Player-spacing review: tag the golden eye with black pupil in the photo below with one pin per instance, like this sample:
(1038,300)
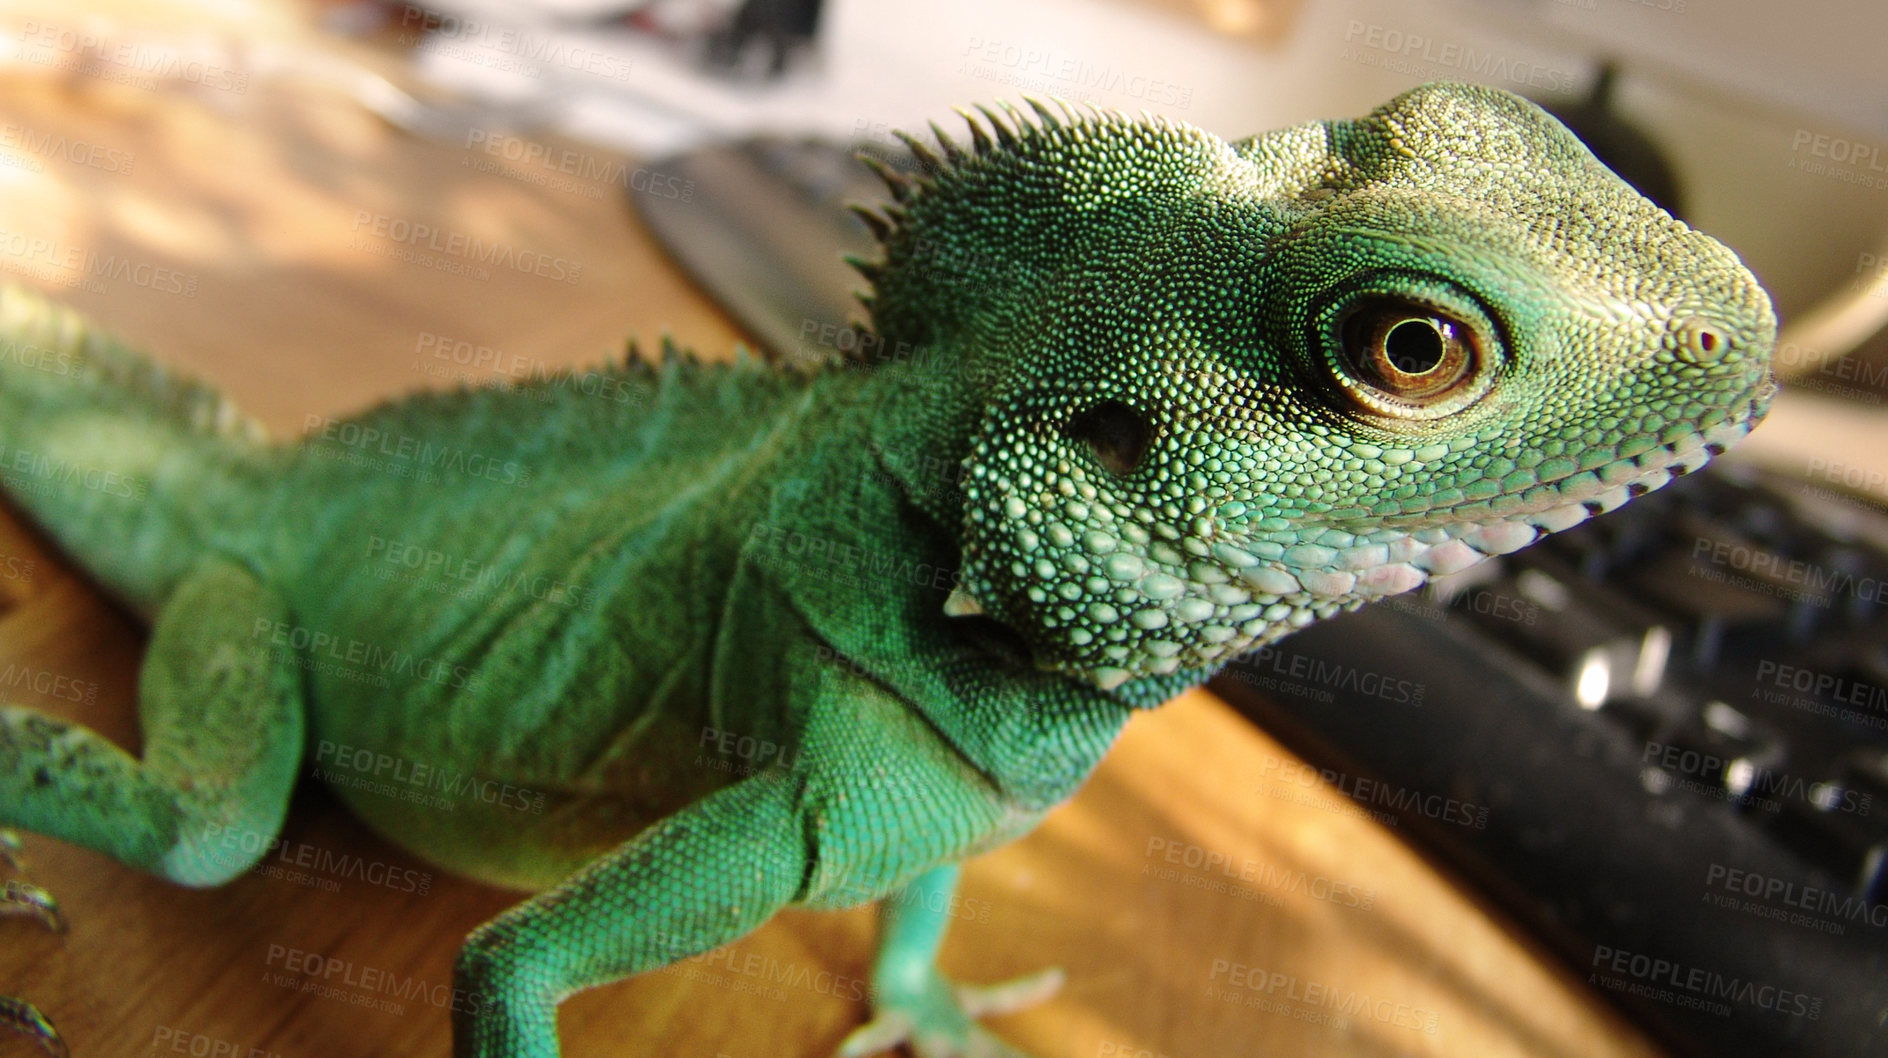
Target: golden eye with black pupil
(1410,352)
(1414,357)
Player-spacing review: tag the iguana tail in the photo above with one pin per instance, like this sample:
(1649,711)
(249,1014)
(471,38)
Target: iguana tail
(132,470)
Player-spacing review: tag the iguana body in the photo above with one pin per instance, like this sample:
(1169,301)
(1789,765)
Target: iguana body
(1175,398)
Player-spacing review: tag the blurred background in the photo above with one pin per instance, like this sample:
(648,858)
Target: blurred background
(1621,797)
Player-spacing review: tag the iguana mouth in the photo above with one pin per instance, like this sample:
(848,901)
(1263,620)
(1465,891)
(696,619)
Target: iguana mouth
(1445,546)
(1451,548)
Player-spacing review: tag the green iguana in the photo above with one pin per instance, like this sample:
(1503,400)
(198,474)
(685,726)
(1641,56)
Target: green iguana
(1186,396)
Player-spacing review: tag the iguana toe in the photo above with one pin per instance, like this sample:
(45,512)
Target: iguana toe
(882,1033)
(938,1019)
(1017,993)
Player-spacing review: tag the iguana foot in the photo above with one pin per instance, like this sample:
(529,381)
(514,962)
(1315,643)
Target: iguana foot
(935,1018)
(20,1016)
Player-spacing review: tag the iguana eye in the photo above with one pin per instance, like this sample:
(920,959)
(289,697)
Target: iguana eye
(1404,358)
(1408,351)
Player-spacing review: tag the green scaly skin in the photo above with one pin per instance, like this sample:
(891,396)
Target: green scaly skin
(688,643)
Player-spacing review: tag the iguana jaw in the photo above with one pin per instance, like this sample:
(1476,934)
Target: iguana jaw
(1583,496)
(1390,562)
(1252,589)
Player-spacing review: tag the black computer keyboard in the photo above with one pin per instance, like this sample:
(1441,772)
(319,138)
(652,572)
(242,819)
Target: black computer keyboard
(1659,740)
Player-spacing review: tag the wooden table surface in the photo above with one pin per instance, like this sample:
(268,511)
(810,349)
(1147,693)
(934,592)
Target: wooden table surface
(254,201)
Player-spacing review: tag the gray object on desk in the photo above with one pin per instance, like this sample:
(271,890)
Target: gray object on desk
(762,226)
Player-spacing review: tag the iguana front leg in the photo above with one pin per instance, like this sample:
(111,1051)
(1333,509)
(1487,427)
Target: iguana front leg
(691,882)
(915,1004)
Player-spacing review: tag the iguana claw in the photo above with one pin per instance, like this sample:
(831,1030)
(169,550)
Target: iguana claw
(937,1019)
(21,1017)
(22,898)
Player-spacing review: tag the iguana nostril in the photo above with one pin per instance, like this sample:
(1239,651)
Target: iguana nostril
(1701,341)
(1117,433)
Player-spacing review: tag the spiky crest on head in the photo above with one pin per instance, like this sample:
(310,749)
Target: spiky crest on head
(980,220)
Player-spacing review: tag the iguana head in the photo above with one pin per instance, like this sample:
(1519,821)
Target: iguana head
(1223,390)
